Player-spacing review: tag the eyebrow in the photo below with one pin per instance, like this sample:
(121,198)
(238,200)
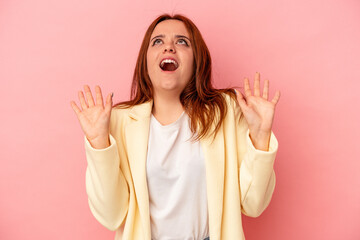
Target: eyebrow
(176,36)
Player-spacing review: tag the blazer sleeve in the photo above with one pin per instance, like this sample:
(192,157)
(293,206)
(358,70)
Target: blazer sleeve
(106,186)
(256,172)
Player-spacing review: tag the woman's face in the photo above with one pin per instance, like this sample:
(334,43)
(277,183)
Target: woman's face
(170,40)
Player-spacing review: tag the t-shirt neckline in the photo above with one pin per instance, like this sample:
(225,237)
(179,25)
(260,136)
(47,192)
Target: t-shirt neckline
(170,125)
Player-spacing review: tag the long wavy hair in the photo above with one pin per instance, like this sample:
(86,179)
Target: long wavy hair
(199,98)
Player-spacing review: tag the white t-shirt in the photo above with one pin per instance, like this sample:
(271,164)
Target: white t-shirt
(176,178)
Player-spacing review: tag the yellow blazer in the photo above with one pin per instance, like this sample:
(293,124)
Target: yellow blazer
(240,179)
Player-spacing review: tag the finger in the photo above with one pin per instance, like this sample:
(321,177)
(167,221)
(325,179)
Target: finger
(276,97)
(247,87)
(266,90)
(89,97)
(75,107)
(241,100)
(99,98)
(109,103)
(257,85)
(82,100)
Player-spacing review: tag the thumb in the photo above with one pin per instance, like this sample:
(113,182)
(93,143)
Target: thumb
(241,100)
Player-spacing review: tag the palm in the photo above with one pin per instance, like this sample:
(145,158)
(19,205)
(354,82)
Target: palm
(257,110)
(94,118)
(94,122)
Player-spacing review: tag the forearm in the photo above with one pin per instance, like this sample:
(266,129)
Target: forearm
(106,186)
(257,177)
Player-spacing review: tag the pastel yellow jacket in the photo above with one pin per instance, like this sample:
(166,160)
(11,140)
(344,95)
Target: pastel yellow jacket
(240,179)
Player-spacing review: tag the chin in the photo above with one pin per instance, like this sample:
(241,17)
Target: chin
(170,88)
(169,83)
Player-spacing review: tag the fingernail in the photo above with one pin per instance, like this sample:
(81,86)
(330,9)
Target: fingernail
(112,94)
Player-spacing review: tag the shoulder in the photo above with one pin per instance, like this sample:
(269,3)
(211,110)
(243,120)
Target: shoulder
(230,101)
(136,112)
(232,105)
(119,116)
(119,112)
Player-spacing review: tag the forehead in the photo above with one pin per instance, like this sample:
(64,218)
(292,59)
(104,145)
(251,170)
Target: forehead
(170,27)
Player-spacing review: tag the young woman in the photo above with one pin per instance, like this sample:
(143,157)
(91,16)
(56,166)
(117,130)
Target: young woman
(180,160)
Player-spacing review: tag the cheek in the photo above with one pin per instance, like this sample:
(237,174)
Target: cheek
(150,62)
(150,56)
(190,64)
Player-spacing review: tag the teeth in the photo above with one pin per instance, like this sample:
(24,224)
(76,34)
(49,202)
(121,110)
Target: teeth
(168,61)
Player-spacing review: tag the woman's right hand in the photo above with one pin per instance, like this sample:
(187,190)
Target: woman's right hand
(94,118)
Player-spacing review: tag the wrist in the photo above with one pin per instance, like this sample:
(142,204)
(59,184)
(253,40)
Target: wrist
(261,140)
(100,143)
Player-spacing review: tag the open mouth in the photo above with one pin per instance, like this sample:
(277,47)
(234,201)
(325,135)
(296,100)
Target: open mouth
(168,65)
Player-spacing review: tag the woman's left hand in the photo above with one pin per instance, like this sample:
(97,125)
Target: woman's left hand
(258,112)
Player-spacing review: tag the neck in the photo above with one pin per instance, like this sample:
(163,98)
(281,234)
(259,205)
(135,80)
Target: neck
(167,108)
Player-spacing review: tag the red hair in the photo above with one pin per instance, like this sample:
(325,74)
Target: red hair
(199,98)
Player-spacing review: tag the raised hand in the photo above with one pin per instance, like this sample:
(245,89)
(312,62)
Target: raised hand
(258,112)
(94,118)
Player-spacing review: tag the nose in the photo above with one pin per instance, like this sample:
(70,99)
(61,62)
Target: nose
(169,48)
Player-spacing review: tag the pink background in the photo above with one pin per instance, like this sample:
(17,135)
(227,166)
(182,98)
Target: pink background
(309,50)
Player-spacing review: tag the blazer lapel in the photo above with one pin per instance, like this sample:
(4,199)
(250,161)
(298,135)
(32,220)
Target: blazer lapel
(137,135)
(214,161)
